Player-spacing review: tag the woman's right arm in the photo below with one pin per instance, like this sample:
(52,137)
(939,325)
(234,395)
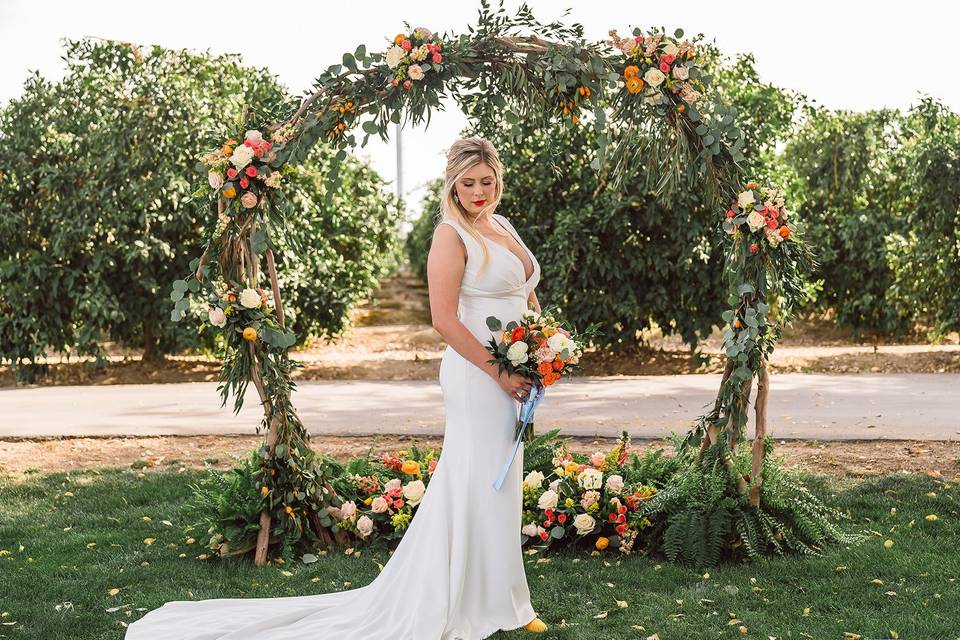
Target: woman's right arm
(445,267)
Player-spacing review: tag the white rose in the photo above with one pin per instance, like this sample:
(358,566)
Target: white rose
(394,55)
(590,479)
(772,236)
(413,491)
(533,479)
(517,353)
(654,77)
(217,317)
(681,72)
(250,298)
(615,484)
(242,156)
(558,342)
(379,504)
(348,510)
(670,49)
(745,198)
(755,220)
(365,526)
(253,136)
(531,315)
(529,530)
(584,523)
(215,179)
(415,72)
(548,500)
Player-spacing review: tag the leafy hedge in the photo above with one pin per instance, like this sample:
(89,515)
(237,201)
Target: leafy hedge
(95,212)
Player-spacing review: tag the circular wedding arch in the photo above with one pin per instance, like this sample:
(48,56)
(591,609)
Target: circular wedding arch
(647,97)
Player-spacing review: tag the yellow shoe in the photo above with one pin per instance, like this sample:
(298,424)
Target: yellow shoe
(536,626)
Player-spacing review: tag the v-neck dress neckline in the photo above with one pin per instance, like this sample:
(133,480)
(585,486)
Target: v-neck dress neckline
(523,267)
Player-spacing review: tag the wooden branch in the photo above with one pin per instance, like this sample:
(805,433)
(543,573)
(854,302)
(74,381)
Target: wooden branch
(763,388)
(275,287)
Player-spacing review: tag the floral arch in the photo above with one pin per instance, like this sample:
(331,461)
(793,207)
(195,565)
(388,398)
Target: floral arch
(650,82)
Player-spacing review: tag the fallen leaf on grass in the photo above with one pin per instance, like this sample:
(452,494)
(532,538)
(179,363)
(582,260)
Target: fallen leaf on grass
(149,541)
(114,591)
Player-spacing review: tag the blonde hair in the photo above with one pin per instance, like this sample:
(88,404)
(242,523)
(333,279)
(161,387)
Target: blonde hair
(464,154)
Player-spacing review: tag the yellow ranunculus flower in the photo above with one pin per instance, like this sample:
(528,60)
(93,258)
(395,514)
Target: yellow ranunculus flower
(602,543)
(410,467)
(571,467)
(399,38)
(368,501)
(230,193)
(249,334)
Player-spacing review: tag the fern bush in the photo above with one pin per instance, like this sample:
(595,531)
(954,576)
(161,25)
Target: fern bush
(701,520)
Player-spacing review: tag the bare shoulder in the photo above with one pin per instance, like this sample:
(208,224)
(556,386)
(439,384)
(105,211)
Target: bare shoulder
(447,242)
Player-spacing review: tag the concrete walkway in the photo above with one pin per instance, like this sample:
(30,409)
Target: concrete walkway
(807,406)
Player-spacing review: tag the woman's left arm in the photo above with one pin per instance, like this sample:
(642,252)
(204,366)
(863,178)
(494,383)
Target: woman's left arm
(533,303)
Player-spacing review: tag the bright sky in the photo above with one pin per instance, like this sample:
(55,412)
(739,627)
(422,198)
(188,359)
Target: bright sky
(851,55)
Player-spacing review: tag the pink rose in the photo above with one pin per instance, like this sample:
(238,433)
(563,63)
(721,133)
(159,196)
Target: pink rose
(589,498)
(365,526)
(405,45)
(407,84)
(251,171)
(379,504)
(615,484)
(437,58)
(244,183)
(249,200)
(217,317)
(597,459)
(664,66)
(772,223)
(394,82)
(231,173)
(348,510)
(393,485)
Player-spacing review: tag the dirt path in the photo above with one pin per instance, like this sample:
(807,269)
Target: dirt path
(854,459)
(390,338)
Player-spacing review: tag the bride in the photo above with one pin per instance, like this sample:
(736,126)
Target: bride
(457,573)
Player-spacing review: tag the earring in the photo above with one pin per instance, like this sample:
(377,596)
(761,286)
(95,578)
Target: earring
(456,198)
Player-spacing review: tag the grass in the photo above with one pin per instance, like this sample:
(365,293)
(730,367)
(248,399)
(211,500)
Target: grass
(54,584)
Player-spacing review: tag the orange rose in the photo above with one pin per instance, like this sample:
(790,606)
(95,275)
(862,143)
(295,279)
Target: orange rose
(518,334)
(784,232)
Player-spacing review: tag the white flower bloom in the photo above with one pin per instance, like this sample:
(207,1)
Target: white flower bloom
(413,491)
(253,136)
(670,49)
(584,523)
(415,72)
(615,484)
(654,77)
(393,485)
(590,479)
(242,156)
(773,237)
(589,498)
(250,298)
(548,500)
(531,315)
(394,55)
(746,198)
(529,530)
(681,72)
(517,353)
(533,479)
(217,317)
(558,342)
(379,504)
(215,179)
(755,220)
(365,526)
(554,485)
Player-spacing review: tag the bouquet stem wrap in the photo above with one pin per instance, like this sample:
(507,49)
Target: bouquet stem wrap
(524,429)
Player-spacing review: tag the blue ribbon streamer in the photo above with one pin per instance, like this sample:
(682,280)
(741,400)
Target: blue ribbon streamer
(526,417)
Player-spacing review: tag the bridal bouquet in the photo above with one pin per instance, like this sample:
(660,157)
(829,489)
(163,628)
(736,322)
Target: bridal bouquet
(760,215)
(659,67)
(538,347)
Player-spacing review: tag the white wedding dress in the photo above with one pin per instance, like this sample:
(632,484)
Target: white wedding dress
(457,573)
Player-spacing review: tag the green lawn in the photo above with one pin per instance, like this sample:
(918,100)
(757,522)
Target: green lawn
(54,584)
